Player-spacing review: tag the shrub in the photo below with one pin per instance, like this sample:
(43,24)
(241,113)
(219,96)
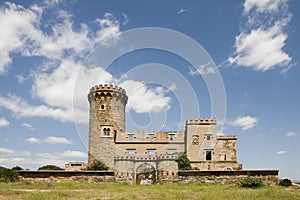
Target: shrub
(8,175)
(50,167)
(251,182)
(285,182)
(183,162)
(97,165)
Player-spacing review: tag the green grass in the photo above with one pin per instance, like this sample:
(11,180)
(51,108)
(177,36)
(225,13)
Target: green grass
(72,190)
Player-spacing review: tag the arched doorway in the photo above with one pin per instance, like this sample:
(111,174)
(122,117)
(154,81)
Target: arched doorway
(145,174)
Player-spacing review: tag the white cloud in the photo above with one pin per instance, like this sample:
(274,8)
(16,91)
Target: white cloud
(281,152)
(57,140)
(290,134)
(245,123)
(262,5)
(12,152)
(260,44)
(63,49)
(29,126)
(3,122)
(49,140)
(182,10)
(143,99)
(261,49)
(22,109)
(203,69)
(15,21)
(172,86)
(65,154)
(33,140)
(21,32)
(110,29)
(126,19)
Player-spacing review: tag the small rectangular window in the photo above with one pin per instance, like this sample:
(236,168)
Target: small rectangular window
(151,152)
(171,137)
(171,151)
(131,137)
(208,136)
(151,137)
(130,151)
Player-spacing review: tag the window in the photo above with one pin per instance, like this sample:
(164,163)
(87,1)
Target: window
(131,137)
(106,131)
(209,136)
(130,151)
(102,107)
(171,137)
(208,155)
(151,137)
(151,152)
(171,151)
(223,157)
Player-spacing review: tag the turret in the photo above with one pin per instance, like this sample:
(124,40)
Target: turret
(107,119)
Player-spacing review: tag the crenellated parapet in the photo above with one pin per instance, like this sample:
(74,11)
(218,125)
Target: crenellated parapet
(202,121)
(110,91)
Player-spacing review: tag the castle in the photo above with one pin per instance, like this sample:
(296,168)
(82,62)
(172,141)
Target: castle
(132,153)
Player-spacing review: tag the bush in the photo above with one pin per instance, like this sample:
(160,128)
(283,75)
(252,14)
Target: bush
(50,167)
(8,175)
(285,182)
(97,165)
(183,162)
(251,182)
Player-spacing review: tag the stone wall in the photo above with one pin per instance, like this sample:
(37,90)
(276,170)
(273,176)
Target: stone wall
(61,175)
(269,177)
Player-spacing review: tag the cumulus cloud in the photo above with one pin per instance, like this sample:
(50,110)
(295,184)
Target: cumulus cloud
(262,5)
(290,134)
(62,50)
(143,99)
(49,140)
(246,122)
(20,108)
(3,122)
(260,44)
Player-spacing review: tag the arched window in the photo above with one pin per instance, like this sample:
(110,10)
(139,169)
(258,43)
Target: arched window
(106,131)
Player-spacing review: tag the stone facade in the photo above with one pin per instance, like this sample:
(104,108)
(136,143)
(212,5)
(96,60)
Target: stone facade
(133,153)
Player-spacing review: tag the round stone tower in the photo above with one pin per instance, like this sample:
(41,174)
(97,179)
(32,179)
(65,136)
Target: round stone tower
(107,120)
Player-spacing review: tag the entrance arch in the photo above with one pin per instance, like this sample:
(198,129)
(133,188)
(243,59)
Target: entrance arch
(145,173)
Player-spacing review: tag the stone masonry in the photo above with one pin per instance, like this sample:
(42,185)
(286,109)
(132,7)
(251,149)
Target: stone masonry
(133,153)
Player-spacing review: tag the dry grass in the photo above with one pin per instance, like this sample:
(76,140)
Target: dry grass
(71,190)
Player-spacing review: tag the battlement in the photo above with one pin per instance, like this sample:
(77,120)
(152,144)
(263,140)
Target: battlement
(201,121)
(146,157)
(107,90)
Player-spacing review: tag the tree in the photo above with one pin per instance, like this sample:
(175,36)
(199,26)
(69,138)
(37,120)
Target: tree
(16,168)
(183,162)
(97,165)
(50,167)
(8,175)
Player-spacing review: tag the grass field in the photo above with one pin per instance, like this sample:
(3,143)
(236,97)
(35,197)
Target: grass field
(71,190)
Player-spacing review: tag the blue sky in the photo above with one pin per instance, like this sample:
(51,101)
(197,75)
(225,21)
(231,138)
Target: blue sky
(246,74)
